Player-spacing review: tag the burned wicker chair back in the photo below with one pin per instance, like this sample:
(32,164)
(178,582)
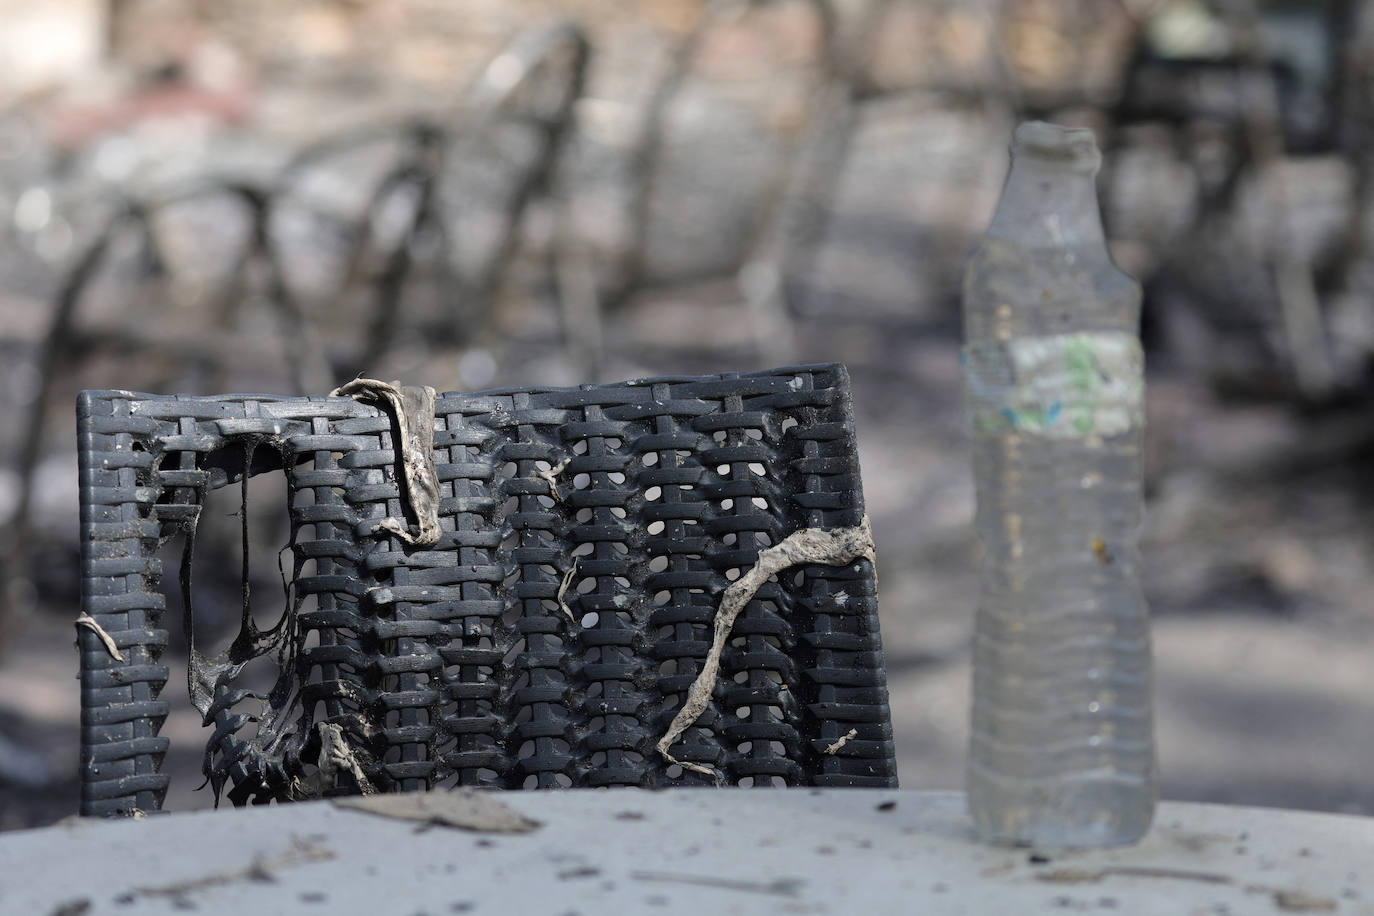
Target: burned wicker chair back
(585,540)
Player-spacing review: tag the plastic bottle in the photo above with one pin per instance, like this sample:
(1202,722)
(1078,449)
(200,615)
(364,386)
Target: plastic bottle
(1062,751)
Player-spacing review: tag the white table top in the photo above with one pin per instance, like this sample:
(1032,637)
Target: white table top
(697,851)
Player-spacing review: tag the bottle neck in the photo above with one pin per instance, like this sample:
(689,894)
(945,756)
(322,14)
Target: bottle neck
(1049,204)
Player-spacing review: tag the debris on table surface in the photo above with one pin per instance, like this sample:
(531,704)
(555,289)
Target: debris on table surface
(465,809)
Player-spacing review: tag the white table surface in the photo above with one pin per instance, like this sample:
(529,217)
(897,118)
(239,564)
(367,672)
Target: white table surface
(697,851)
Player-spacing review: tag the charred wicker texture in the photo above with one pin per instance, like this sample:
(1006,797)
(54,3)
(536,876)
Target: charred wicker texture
(404,668)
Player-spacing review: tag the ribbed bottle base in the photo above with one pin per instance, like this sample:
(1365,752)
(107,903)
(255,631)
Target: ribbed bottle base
(1083,811)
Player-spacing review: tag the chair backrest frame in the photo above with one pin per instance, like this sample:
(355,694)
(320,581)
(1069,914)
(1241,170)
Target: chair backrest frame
(550,636)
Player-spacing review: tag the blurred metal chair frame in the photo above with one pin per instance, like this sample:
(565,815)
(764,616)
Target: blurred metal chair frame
(551,634)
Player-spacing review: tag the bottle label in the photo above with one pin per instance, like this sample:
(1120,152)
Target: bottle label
(1061,386)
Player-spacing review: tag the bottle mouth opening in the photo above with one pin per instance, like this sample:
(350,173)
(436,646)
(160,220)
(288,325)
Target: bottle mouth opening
(1074,146)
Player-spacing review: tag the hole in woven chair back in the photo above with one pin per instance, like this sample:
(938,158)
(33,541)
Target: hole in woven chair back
(233,496)
(225,582)
(233,596)
(218,583)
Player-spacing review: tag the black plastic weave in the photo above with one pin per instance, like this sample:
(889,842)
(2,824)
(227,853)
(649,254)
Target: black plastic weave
(457,664)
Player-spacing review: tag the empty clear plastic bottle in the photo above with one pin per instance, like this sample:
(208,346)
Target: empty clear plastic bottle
(1062,751)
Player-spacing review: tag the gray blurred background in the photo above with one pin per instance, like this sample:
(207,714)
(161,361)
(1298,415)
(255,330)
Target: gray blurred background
(271,195)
